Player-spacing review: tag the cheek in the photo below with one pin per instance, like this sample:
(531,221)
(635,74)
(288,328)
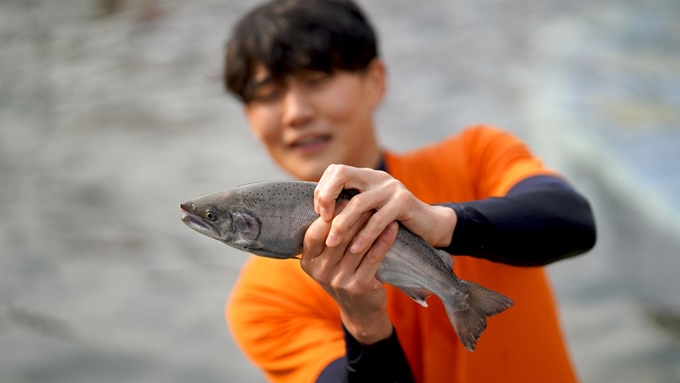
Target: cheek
(264,124)
(347,107)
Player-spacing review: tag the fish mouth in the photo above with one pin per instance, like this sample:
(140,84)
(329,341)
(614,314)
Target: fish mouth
(198,225)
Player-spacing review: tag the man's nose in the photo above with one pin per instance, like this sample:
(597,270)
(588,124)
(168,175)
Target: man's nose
(297,108)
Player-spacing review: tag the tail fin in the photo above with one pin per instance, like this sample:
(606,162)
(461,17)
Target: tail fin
(471,322)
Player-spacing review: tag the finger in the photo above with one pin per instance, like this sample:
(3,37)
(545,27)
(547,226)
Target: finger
(314,242)
(351,261)
(375,255)
(332,182)
(376,225)
(367,201)
(326,193)
(326,258)
(316,235)
(349,236)
(354,229)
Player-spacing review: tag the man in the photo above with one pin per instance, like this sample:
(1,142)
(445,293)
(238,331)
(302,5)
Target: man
(310,77)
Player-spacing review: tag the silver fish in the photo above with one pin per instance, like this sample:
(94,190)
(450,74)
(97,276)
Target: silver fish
(270,219)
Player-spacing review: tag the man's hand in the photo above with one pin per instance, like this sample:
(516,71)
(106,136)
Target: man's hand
(391,201)
(349,278)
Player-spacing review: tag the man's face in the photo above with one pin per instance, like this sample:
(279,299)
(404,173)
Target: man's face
(314,119)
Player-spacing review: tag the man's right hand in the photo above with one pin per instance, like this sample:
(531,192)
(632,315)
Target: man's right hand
(350,278)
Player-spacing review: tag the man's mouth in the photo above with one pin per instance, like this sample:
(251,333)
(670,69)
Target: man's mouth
(311,144)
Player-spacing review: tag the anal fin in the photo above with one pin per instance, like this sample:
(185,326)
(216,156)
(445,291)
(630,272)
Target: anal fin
(417,294)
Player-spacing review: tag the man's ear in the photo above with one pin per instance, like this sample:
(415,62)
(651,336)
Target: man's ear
(377,77)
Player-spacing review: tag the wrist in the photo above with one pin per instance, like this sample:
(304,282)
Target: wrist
(368,330)
(446,220)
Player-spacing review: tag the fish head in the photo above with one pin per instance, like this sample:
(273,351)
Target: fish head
(224,216)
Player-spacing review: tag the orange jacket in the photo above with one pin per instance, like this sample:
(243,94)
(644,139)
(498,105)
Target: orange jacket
(291,328)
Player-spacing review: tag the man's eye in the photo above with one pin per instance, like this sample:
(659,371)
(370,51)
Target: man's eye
(266,94)
(318,78)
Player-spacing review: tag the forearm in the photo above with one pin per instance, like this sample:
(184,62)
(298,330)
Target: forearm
(541,220)
(383,361)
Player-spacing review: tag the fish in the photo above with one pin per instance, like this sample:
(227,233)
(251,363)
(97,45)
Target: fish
(270,219)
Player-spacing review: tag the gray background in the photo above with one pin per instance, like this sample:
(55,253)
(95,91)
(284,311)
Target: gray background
(109,119)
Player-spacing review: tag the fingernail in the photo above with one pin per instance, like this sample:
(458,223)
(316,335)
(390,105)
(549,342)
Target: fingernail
(323,213)
(332,240)
(356,247)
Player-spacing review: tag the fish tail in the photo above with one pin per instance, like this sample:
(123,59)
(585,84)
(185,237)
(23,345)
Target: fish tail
(471,322)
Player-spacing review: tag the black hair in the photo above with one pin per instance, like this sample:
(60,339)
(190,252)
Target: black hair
(290,36)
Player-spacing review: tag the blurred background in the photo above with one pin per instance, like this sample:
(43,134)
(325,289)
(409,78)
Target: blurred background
(112,112)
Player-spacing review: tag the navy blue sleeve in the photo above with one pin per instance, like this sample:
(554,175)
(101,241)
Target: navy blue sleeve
(381,362)
(541,220)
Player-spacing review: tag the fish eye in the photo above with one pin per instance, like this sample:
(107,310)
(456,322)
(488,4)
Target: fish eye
(210,215)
